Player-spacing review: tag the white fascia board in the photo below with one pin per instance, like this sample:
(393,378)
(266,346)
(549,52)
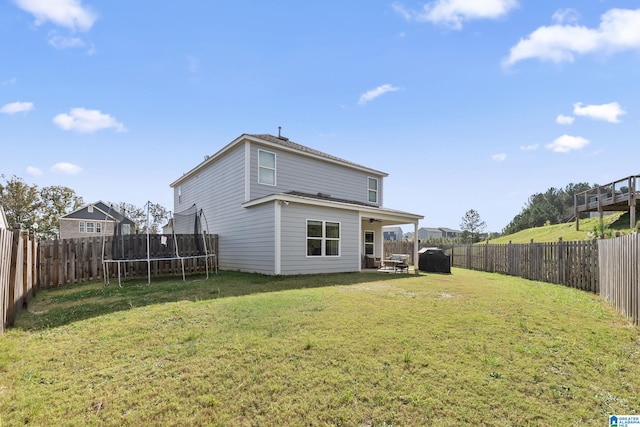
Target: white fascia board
(365,211)
(86,207)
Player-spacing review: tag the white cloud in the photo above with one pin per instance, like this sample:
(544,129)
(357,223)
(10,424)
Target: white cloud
(564,120)
(619,30)
(34,171)
(562,16)
(62,42)
(17,107)
(70,14)
(66,169)
(374,93)
(531,147)
(608,112)
(10,81)
(566,143)
(452,13)
(87,121)
(501,157)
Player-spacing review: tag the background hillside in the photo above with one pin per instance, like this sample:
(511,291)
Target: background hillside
(589,228)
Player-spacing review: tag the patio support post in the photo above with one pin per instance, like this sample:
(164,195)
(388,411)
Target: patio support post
(415,247)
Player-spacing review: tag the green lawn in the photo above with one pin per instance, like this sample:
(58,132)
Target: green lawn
(469,348)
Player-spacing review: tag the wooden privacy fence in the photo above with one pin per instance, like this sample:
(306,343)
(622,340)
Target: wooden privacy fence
(18,253)
(80,260)
(620,273)
(573,264)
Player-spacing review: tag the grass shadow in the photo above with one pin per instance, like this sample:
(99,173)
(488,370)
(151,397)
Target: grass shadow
(60,306)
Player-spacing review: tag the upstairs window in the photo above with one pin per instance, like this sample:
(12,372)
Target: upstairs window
(98,227)
(90,227)
(81,227)
(266,167)
(323,238)
(373,190)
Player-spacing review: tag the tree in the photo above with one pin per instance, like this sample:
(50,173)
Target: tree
(472,225)
(55,201)
(20,201)
(36,209)
(555,206)
(157,216)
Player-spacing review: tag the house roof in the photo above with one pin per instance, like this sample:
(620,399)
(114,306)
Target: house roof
(450,230)
(101,211)
(277,142)
(375,213)
(431,229)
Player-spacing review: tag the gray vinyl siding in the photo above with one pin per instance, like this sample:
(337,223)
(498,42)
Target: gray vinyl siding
(300,173)
(294,259)
(245,235)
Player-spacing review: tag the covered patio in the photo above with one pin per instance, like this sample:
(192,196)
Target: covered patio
(372,221)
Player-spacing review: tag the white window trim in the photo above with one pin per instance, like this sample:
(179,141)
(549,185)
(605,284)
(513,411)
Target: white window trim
(324,239)
(93,227)
(274,169)
(376,191)
(81,227)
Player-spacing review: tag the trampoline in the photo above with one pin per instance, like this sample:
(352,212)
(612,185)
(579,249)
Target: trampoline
(188,239)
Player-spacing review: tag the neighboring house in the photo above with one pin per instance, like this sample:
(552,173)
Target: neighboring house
(429,233)
(94,219)
(4,225)
(450,233)
(282,208)
(438,233)
(392,233)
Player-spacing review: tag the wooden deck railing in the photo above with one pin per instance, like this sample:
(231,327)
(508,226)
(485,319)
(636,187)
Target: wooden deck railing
(620,195)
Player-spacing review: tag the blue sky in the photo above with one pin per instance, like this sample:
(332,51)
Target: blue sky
(466,104)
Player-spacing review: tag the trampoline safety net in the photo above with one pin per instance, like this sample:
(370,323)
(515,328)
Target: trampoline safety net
(187,240)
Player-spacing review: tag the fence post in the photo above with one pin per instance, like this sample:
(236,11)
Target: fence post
(13,274)
(485,267)
(561,269)
(26,266)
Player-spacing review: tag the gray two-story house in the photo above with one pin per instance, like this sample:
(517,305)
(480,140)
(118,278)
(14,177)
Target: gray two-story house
(94,219)
(279,207)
